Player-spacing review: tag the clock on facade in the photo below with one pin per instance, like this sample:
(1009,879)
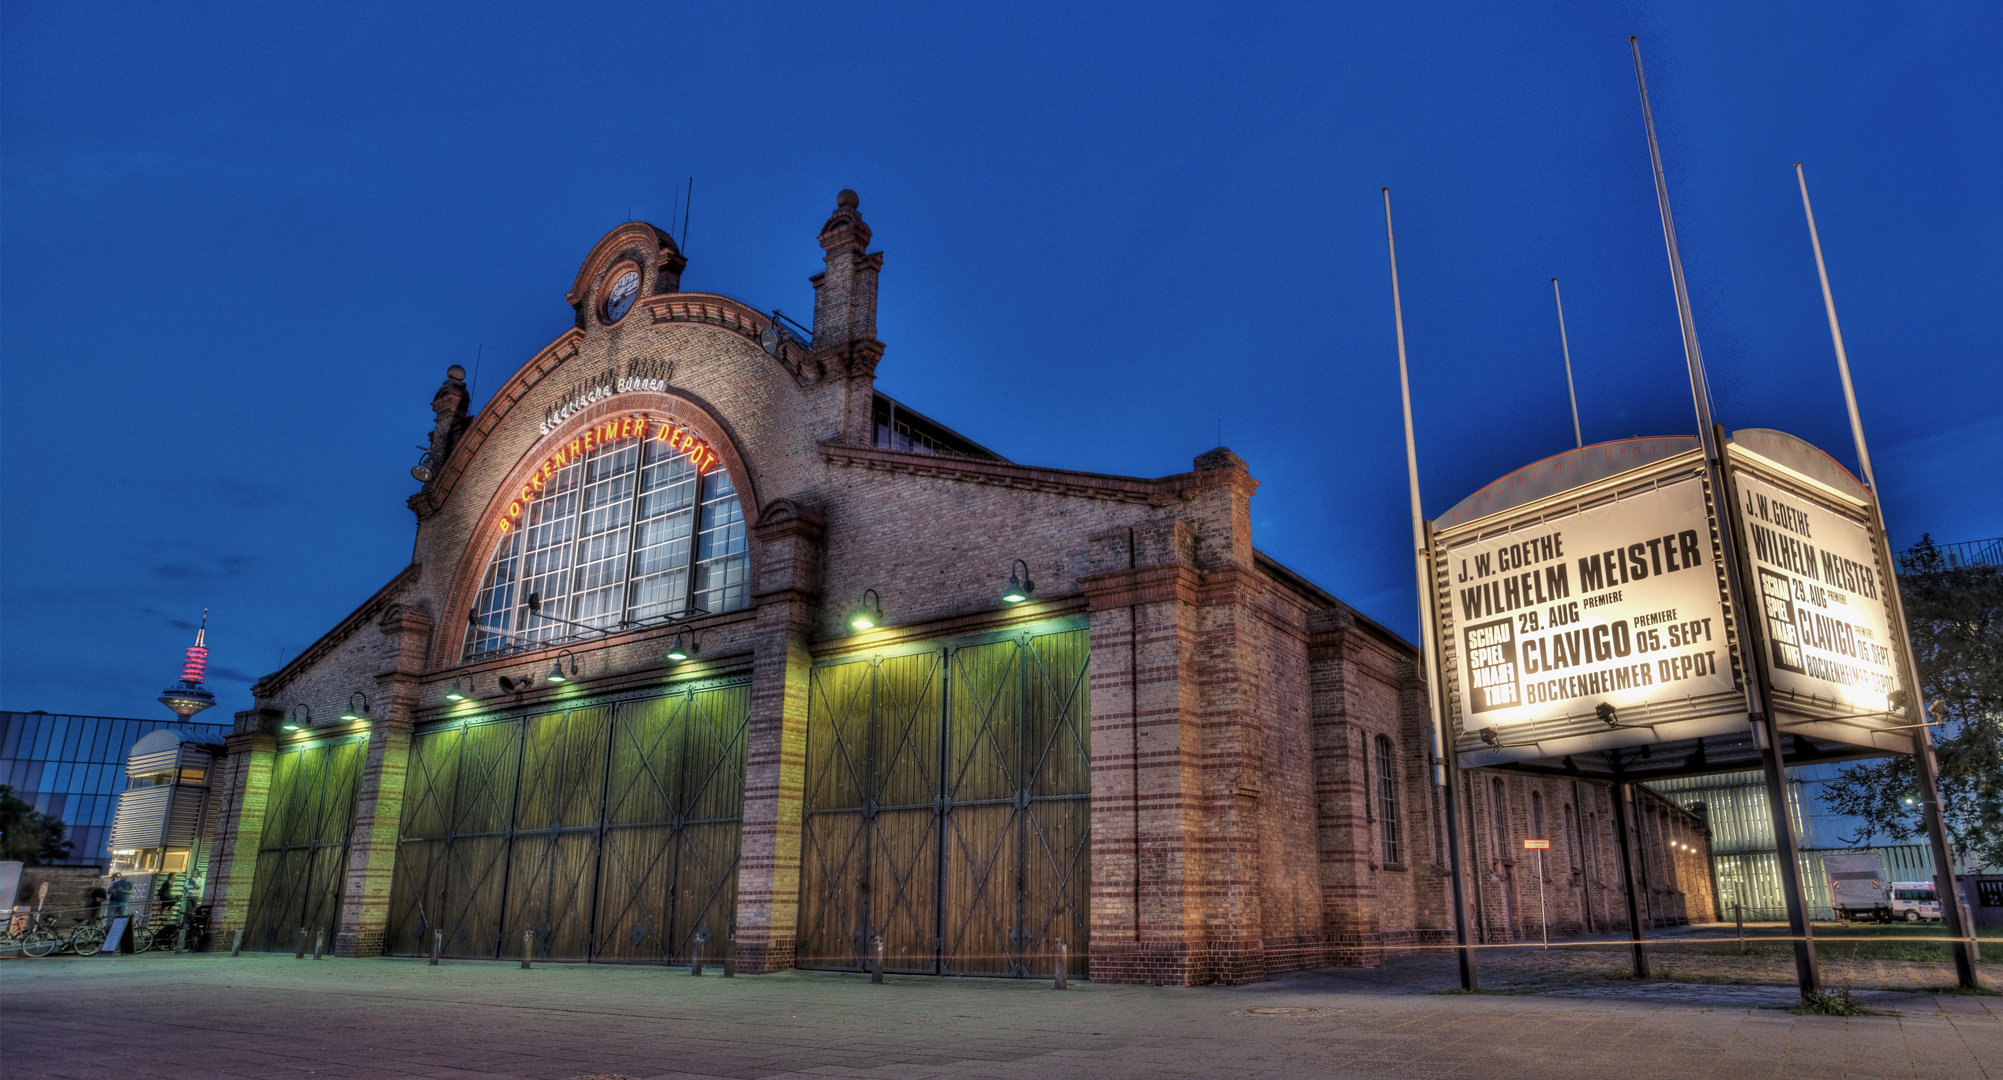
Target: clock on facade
(620,299)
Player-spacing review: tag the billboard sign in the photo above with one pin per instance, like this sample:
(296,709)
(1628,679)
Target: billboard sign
(1614,601)
(1821,599)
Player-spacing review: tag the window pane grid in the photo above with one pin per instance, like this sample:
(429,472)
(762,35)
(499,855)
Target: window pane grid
(614,538)
(723,565)
(660,576)
(1387,800)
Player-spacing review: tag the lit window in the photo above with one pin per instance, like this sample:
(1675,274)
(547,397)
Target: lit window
(1387,799)
(615,538)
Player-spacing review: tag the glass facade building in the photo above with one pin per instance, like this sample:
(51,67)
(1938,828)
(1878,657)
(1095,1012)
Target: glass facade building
(73,768)
(1743,852)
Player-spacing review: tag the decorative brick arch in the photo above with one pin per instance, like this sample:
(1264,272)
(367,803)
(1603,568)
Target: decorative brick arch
(684,410)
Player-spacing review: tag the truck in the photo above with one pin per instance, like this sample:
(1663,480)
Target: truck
(1857,887)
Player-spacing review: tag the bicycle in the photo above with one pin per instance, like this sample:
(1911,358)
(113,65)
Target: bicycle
(87,939)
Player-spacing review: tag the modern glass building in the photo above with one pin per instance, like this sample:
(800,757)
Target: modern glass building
(73,767)
(1743,852)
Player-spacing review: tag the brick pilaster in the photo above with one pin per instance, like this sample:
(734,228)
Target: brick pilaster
(379,801)
(788,596)
(239,831)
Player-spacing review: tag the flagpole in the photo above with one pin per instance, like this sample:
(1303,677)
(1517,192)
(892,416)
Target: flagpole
(1923,759)
(1766,727)
(1578,440)
(1446,768)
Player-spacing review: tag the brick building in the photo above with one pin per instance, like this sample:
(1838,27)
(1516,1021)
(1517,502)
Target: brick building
(671,663)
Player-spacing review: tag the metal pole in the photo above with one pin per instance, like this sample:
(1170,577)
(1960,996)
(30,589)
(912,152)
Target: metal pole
(1765,729)
(528,944)
(437,945)
(1444,768)
(1739,917)
(299,947)
(1543,921)
(1951,911)
(730,956)
(1634,934)
(236,943)
(695,958)
(1766,736)
(876,960)
(1578,440)
(1063,962)
(320,945)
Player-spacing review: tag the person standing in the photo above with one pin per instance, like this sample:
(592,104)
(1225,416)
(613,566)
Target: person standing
(119,894)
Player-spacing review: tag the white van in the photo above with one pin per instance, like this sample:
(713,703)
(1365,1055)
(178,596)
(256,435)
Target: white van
(1915,900)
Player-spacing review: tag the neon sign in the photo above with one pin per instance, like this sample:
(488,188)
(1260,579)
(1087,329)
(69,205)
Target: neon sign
(605,433)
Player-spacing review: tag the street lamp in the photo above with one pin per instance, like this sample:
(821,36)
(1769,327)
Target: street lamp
(1018,589)
(869,613)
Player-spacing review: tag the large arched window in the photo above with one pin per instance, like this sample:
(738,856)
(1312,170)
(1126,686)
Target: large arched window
(1387,799)
(626,533)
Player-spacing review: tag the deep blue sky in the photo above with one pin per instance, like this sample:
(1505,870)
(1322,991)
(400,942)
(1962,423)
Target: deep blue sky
(238,247)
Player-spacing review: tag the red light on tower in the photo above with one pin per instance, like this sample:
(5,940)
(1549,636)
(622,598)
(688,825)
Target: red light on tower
(190,697)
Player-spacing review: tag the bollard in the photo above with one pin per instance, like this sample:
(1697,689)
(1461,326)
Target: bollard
(1739,916)
(1063,962)
(181,940)
(437,945)
(730,957)
(876,965)
(319,945)
(695,957)
(236,943)
(299,947)
(528,943)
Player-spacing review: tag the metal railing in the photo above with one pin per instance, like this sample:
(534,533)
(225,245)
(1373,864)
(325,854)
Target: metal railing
(1966,553)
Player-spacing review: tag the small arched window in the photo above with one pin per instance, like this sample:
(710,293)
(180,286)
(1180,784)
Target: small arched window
(1387,799)
(625,533)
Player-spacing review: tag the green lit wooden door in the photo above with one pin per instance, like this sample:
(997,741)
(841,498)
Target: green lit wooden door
(947,803)
(302,857)
(603,831)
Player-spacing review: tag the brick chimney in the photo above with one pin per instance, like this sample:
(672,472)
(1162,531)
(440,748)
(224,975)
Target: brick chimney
(845,344)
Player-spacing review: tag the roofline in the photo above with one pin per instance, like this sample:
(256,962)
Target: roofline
(1278,569)
(311,654)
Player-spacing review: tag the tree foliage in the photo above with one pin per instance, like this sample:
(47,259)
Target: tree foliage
(1955,616)
(27,835)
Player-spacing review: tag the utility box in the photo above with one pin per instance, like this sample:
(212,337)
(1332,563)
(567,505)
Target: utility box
(1857,887)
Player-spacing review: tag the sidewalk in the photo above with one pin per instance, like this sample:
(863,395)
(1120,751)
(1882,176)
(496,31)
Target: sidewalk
(272,1016)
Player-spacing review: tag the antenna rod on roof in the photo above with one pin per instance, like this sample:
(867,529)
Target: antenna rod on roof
(686,200)
(475,388)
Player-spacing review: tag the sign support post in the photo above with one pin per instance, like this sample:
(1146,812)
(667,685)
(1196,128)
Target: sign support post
(1952,915)
(1543,913)
(1627,854)
(1766,735)
(1445,767)
(1766,731)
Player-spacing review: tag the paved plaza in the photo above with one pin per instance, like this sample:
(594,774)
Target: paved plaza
(123,1018)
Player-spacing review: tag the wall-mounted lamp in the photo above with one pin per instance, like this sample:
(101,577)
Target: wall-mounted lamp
(517,687)
(678,651)
(300,716)
(456,692)
(556,674)
(352,712)
(1018,588)
(868,614)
